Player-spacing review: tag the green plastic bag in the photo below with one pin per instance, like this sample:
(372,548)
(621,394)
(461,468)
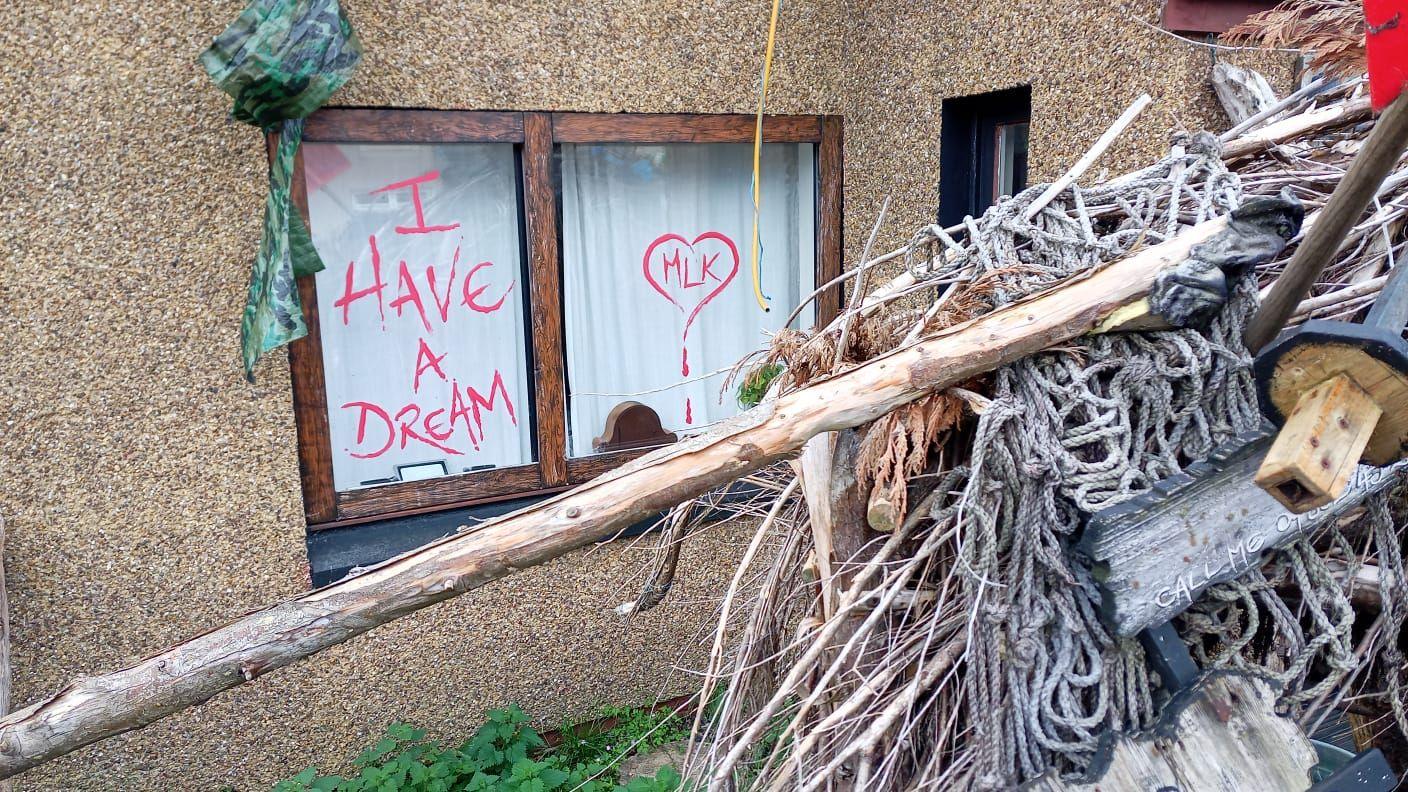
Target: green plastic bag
(281,60)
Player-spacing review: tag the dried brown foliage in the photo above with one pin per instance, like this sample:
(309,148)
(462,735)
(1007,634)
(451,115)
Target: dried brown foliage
(897,446)
(1333,30)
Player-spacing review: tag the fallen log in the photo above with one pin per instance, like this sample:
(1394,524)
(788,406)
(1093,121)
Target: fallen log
(93,708)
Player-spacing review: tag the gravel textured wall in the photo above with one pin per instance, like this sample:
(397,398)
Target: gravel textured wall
(1086,61)
(150,492)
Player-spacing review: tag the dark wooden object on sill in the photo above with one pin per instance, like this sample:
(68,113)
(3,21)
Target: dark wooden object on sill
(632,425)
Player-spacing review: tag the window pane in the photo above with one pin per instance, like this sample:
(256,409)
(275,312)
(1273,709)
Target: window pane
(1011,159)
(658,293)
(422,309)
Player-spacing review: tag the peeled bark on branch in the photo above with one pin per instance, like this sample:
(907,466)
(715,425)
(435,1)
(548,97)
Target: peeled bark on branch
(1244,93)
(93,708)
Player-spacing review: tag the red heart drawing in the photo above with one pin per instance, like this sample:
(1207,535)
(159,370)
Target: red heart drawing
(693,268)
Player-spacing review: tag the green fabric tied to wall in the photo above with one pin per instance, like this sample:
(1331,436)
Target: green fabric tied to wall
(281,60)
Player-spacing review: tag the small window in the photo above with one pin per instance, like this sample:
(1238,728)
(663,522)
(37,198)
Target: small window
(1011,159)
(983,151)
(514,303)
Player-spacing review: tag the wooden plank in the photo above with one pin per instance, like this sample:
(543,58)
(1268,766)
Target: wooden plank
(681,128)
(92,708)
(1155,554)
(1296,126)
(830,216)
(388,125)
(835,509)
(1220,735)
(445,492)
(549,369)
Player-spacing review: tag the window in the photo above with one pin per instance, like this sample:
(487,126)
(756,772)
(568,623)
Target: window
(982,151)
(423,327)
(514,303)
(654,280)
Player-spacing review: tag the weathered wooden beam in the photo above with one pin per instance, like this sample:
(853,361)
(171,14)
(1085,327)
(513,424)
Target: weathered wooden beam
(92,708)
(1156,553)
(1297,125)
(1221,735)
(1244,93)
(836,511)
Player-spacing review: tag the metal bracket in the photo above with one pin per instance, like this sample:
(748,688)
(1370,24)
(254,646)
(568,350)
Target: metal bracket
(1366,772)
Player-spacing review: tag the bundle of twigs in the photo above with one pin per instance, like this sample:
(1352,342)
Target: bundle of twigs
(840,657)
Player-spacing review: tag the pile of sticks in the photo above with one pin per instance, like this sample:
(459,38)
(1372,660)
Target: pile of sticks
(847,662)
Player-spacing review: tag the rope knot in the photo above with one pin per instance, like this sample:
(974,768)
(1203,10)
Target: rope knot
(1025,648)
(1205,144)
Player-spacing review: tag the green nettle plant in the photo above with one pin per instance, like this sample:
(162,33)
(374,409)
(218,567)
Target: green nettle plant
(505,755)
(756,383)
(635,731)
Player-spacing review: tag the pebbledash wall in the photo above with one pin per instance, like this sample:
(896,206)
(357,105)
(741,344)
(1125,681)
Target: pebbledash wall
(150,493)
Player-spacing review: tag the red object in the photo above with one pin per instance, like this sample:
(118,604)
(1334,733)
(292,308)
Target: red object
(1210,16)
(1386,39)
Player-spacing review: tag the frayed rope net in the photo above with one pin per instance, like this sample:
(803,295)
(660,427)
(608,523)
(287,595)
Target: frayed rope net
(967,651)
(1075,430)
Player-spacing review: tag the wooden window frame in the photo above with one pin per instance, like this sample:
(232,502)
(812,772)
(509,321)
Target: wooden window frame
(967,149)
(534,135)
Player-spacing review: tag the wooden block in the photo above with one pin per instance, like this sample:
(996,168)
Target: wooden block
(1318,448)
(1375,366)
(880,511)
(1221,735)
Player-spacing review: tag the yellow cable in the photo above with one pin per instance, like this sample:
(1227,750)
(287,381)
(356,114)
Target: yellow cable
(758,157)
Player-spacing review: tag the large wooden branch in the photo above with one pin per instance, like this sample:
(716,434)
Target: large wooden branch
(92,708)
(1297,125)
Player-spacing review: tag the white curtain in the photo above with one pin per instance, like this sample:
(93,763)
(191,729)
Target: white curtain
(469,407)
(656,234)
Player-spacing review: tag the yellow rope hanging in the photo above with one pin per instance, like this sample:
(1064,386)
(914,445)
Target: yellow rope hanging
(754,257)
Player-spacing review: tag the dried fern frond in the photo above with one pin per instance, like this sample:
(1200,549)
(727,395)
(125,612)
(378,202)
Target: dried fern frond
(897,446)
(1332,30)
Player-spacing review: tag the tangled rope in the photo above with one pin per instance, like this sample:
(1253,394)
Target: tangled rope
(964,648)
(1069,432)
